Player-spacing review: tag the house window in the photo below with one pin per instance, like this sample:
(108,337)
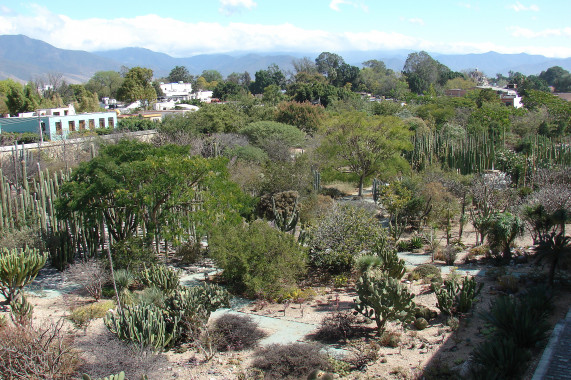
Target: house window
(56,113)
(71,126)
(58,128)
(65,112)
(82,125)
(111,123)
(91,124)
(102,122)
(43,126)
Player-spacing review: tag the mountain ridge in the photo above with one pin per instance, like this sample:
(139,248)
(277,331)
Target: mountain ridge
(23,59)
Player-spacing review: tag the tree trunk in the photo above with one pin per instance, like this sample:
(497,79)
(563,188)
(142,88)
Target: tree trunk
(361,180)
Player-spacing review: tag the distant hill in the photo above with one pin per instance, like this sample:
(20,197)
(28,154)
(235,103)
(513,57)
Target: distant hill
(23,59)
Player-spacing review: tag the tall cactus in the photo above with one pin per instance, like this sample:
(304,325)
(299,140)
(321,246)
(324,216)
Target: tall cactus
(283,221)
(18,268)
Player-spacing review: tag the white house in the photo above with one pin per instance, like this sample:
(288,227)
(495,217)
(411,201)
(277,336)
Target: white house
(203,96)
(61,111)
(176,91)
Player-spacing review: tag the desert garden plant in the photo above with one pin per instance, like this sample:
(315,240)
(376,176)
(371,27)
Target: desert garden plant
(90,275)
(455,298)
(499,359)
(18,268)
(383,298)
(257,259)
(160,276)
(236,332)
(502,230)
(290,361)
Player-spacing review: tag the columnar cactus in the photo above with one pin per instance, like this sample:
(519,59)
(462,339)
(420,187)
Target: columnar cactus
(456,298)
(143,325)
(18,267)
(162,277)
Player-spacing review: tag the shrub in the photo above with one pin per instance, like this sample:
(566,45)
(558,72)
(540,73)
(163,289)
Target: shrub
(335,327)
(261,131)
(385,259)
(190,252)
(449,254)
(499,359)
(456,298)
(124,279)
(236,332)
(345,231)
(90,275)
(428,272)
(18,268)
(503,228)
(508,283)
(416,242)
(424,312)
(390,339)
(257,259)
(82,316)
(43,352)
(290,361)
(403,246)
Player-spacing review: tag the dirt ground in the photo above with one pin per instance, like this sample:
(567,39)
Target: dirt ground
(437,345)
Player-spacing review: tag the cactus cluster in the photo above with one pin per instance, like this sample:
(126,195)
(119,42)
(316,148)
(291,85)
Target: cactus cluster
(454,298)
(383,298)
(18,268)
(162,277)
(143,325)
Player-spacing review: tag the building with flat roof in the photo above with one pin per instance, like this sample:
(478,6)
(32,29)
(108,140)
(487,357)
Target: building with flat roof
(58,127)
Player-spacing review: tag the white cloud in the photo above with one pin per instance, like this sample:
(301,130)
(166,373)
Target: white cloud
(520,7)
(334,4)
(230,7)
(183,39)
(517,31)
(416,20)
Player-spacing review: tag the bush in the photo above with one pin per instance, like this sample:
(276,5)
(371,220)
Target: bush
(499,359)
(390,339)
(427,272)
(236,332)
(290,361)
(262,131)
(190,252)
(82,316)
(90,275)
(449,254)
(338,326)
(257,259)
(30,352)
(346,230)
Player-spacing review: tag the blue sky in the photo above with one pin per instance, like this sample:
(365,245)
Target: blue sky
(185,28)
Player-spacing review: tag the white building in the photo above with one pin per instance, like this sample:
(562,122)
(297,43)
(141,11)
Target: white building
(203,96)
(61,111)
(177,91)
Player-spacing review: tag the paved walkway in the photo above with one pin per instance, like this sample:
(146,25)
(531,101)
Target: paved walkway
(555,363)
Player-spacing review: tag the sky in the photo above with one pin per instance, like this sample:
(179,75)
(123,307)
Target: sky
(191,27)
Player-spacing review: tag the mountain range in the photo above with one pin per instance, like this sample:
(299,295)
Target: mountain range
(23,59)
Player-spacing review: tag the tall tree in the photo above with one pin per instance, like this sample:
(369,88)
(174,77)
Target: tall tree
(105,84)
(179,74)
(328,64)
(138,86)
(366,145)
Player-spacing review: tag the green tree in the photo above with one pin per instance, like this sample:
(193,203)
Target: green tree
(138,86)
(264,78)
(422,71)
(228,90)
(105,84)
(366,145)
(179,74)
(305,116)
(328,64)
(212,76)
(131,182)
